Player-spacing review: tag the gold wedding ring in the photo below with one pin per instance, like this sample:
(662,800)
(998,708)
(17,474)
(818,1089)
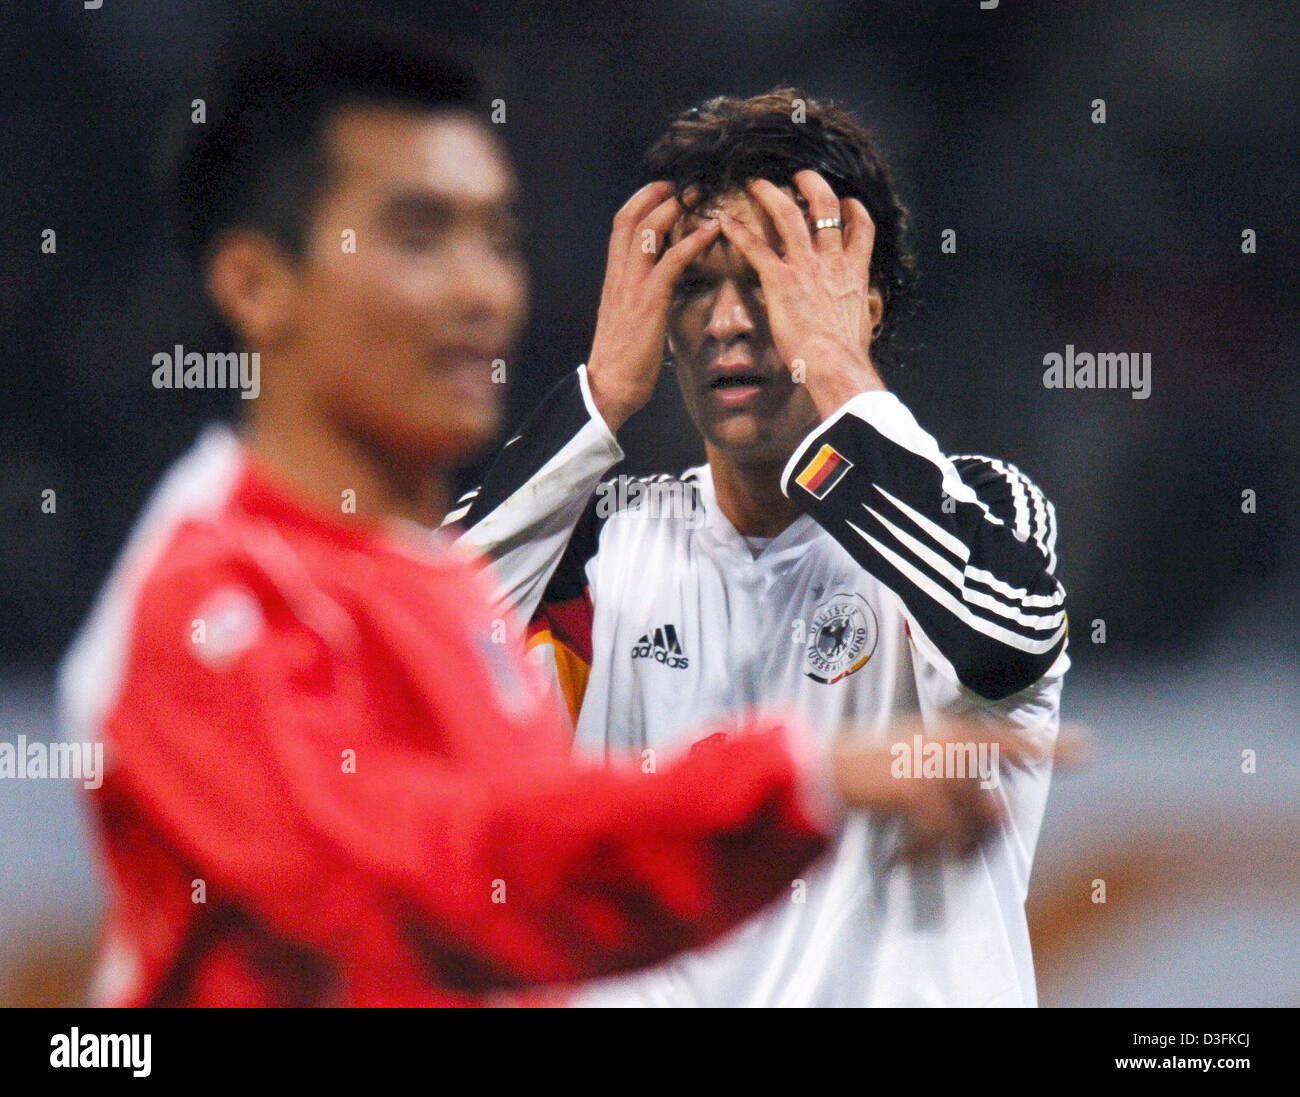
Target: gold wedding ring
(827,223)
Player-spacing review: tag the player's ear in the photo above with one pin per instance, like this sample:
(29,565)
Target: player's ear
(875,313)
(251,281)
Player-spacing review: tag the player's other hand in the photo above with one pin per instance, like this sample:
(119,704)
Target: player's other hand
(627,352)
(949,813)
(820,302)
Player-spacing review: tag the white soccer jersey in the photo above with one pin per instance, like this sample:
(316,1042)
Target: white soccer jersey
(910,580)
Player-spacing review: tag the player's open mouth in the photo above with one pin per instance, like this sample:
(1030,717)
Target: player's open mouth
(736,380)
(735,389)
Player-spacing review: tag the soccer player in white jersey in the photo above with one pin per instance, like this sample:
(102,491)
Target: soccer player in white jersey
(828,558)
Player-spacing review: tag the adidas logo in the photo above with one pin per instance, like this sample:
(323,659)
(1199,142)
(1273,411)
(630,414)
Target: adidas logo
(662,646)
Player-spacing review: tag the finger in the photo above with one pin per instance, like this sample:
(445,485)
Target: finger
(822,206)
(954,816)
(859,234)
(1014,743)
(977,813)
(918,848)
(985,815)
(1072,747)
(652,231)
(1018,745)
(916,843)
(929,828)
(791,225)
(753,247)
(627,218)
(674,261)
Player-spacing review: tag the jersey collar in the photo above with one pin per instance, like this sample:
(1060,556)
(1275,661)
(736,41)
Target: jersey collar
(791,541)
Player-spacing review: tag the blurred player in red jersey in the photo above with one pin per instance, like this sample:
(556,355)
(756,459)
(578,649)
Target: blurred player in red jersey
(328,779)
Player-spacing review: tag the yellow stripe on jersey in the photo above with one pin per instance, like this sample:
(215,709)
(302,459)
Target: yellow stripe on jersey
(571,670)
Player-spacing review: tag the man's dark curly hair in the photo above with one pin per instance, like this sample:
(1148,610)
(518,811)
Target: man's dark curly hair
(723,142)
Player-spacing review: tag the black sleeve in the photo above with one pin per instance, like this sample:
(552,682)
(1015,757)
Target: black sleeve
(966,543)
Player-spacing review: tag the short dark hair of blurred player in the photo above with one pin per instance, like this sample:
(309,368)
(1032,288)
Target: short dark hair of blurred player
(329,779)
(352,217)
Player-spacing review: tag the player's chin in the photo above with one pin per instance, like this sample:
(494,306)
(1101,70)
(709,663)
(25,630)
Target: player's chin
(452,437)
(753,438)
(742,435)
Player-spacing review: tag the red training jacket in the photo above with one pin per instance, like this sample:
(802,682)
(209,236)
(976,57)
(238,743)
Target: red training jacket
(331,778)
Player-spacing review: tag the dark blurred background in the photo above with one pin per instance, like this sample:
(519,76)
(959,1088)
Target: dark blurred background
(1122,236)
(1125,236)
